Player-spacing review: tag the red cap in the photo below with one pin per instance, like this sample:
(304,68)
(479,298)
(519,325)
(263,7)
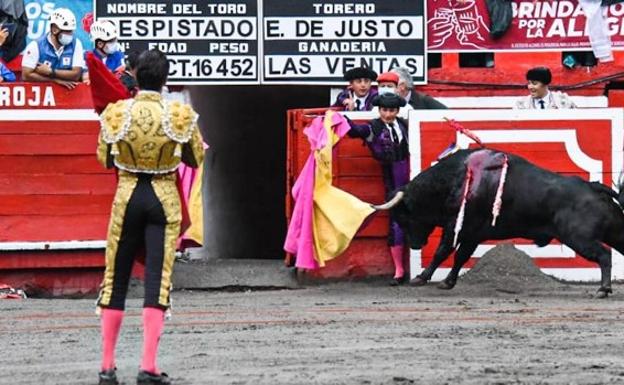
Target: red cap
(388,77)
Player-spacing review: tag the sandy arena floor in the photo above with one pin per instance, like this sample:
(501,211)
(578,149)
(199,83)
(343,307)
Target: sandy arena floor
(346,333)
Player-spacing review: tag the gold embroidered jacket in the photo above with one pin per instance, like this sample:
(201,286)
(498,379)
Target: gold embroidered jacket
(149,135)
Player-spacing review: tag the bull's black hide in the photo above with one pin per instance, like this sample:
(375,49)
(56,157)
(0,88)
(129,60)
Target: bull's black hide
(537,204)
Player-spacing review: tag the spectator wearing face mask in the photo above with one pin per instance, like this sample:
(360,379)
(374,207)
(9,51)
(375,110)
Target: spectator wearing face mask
(104,37)
(417,100)
(56,57)
(387,83)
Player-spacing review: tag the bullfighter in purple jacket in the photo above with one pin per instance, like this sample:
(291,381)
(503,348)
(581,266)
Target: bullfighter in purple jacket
(358,96)
(386,137)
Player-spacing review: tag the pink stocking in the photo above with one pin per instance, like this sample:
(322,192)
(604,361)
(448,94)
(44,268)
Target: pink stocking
(397,258)
(153,324)
(111,325)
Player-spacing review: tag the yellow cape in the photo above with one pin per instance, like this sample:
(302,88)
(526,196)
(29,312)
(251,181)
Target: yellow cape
(337,214)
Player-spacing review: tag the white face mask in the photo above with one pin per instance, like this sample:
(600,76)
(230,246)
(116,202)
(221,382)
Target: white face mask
(65,39)
(386,90)
(110,48)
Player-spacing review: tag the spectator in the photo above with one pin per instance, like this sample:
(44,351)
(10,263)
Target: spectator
(387,83)
(386,138)
(104,37)
(5,74)
(57,56)
(541,98)
(358,96)
(417,100)
(14,20)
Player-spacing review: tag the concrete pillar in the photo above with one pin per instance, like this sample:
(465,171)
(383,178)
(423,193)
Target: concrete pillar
(244,180)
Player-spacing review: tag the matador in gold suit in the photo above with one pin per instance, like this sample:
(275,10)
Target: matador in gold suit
(145,138)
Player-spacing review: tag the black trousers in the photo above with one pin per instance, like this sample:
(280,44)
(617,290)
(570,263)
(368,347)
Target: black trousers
(143,226)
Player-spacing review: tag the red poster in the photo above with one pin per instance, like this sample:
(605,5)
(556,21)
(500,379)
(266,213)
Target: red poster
(454,25)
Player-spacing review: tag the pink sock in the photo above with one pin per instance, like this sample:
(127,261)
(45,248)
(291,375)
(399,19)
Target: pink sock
(111,324)
(397,258)
(153,324)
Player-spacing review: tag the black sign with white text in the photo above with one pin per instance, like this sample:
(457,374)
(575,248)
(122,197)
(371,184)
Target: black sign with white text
(207,42)
(316,41)
(273,41)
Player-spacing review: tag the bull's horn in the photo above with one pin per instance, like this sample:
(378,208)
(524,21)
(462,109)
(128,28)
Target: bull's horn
(391,203)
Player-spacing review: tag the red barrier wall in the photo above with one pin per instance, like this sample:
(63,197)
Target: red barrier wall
(52,189)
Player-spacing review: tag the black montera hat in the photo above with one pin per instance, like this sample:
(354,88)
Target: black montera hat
(539,74)
(389,100)
(360,73)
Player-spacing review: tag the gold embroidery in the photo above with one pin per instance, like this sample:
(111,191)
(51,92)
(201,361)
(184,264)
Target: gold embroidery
(144,120)
(125,187)
(144,132)
(167,193)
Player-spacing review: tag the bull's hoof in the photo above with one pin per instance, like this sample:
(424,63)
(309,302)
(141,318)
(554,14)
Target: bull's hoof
(445,285)
(603,292)
(418,281)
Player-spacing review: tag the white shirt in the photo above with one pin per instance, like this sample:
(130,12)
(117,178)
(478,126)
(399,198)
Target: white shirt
(546,99)
(397,129)
(30,58)
(362,100)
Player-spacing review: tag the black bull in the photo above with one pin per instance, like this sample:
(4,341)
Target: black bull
(537,204)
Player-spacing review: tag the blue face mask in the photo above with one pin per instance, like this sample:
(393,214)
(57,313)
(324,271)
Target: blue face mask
(65,39)
(386,90)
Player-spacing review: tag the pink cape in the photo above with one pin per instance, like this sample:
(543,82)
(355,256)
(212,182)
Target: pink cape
(300,238)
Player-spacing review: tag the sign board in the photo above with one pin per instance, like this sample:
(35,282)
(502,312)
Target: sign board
(206,42)
(536,25)
(587,143)
(307,41)
(273,41)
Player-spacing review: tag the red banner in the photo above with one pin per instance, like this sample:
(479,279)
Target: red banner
(464,25)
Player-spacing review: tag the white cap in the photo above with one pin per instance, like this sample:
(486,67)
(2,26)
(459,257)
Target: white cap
(103,30)
(64,19)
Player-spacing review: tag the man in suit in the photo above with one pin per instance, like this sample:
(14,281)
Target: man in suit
(417,100)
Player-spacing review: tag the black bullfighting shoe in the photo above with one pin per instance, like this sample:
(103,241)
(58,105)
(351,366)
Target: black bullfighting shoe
(108,377)
(396,281)
(147,378)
